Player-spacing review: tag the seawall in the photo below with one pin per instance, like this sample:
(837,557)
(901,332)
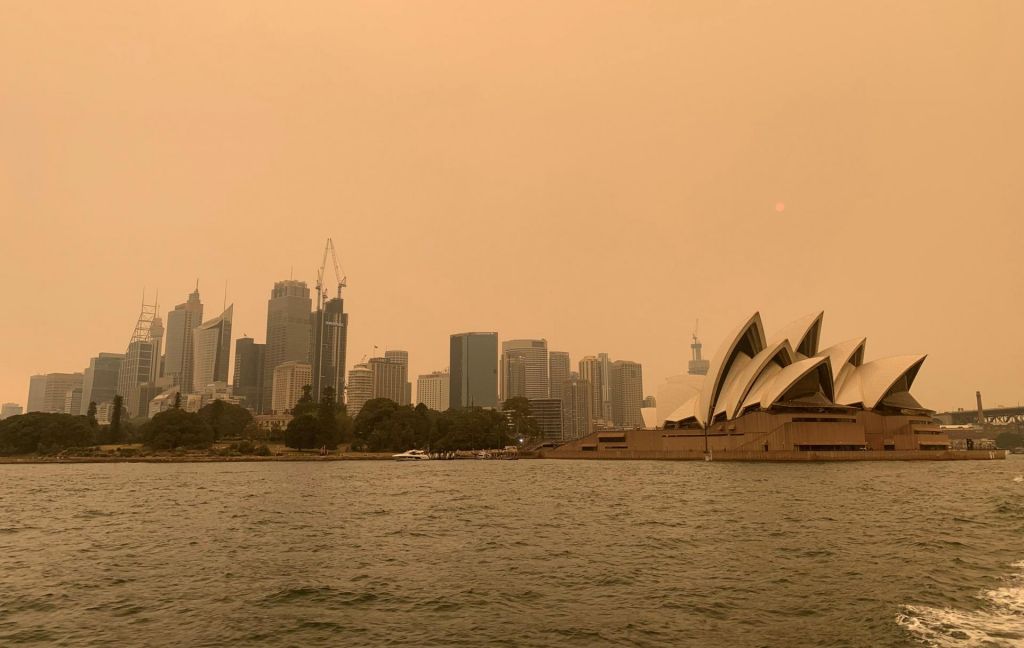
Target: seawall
(782,455)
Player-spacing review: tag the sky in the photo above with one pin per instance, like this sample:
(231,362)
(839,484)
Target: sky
(600,174)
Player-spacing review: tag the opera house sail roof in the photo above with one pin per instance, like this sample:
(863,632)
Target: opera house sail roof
(787,371)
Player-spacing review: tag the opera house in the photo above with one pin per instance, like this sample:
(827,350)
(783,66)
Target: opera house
(783,397)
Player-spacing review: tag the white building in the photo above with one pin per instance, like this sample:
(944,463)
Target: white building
(7,410)
(432,390)
(535,355)
(212,342)
(289,379)
(360,388)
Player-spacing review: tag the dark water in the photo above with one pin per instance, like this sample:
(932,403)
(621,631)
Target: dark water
(527,553)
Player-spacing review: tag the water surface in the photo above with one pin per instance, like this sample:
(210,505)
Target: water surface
(520,553)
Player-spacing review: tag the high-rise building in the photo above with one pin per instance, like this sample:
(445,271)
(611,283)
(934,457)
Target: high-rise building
(547,412)
(697,366)
(330,343)
(55,395)
(179,350)
(212,342)
(247,381)
(535,355)
(432,390)
(100,382)
(402,358)
(558,372)
(360,388)
(577,408)
(7,410)
(389,378)
(141,362)
(73,401)
(513,375)
(288,380)
(650,401)
(474,370)
(289,330)
(597,371)
(36,393)
(627,388)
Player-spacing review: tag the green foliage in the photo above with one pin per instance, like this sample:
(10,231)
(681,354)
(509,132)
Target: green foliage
(1010,440)
(305,404)
(383,425)
(301,432)
(115,418)
(43,433)
(177,428)
(227,420)
(177,399)
(91,414)
(521,425)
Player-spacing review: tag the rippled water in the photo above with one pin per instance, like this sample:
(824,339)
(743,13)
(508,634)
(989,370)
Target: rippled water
(520,553)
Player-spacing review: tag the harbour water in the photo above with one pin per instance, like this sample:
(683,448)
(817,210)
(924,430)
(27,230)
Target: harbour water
(516,553)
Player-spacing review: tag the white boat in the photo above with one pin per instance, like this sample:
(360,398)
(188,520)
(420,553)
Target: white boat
(411,455)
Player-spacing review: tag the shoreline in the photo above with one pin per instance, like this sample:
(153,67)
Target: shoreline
(31,459)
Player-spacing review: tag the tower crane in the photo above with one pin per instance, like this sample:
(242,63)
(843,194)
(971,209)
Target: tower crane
(321,303)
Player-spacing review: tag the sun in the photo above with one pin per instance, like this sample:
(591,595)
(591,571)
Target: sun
(780,207)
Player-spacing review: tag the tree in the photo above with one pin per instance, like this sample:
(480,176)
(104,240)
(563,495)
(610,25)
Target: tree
(305,404)
(301,432)
(91,414)
(328,430)
(177,428)
(44,433)
(227,419)
(1009,440)
(521,424)
(177,399)
(115,419)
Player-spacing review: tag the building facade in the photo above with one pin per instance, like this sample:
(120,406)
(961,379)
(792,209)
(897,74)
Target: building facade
(330,346)
(141,364)
(56,389)
(7,410)
(474,370)
(547,413)
(402,358)
(212,342)
(535,355)
(389,378)
(36,393)
(577,408)
(289,379)
(559,369)
(513,375)
(99,384)
(179,348)
(289,330)
(360,388)
(597,371)
(247,381)
(432,390)
(627,387)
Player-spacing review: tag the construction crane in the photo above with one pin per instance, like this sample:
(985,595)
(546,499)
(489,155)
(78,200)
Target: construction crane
(321,275)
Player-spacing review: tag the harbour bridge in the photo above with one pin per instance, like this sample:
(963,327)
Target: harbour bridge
(992,416)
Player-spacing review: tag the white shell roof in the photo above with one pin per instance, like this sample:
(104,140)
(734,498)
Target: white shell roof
(717,370)
(742,380)
(799,329)
(840,354)
(686,410)
(869,383)
(787,378)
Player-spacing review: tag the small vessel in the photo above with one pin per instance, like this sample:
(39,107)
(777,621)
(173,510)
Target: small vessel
(411,455)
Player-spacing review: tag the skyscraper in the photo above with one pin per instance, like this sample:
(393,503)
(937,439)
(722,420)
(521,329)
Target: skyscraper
(535,353)
(547,413)
(432,390)
(360,388)
(141,362)
(289,330)
(73,401)
(289,379)
(330,343)
(247,382)
(389,378)
(179,351)
(627,388)
(513,375)
(474,370)
(36,393)
(212,342)
(100,382)
(597,371)
(558,372)
(577,408)
(402,358)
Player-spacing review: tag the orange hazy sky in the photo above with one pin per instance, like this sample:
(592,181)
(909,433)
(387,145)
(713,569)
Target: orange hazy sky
(597,173)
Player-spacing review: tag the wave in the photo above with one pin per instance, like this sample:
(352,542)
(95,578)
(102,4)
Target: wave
(998,621)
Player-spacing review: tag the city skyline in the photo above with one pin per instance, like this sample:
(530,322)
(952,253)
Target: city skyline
(772,180)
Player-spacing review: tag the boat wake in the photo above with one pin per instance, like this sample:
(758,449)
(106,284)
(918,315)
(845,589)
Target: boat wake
(998,620)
